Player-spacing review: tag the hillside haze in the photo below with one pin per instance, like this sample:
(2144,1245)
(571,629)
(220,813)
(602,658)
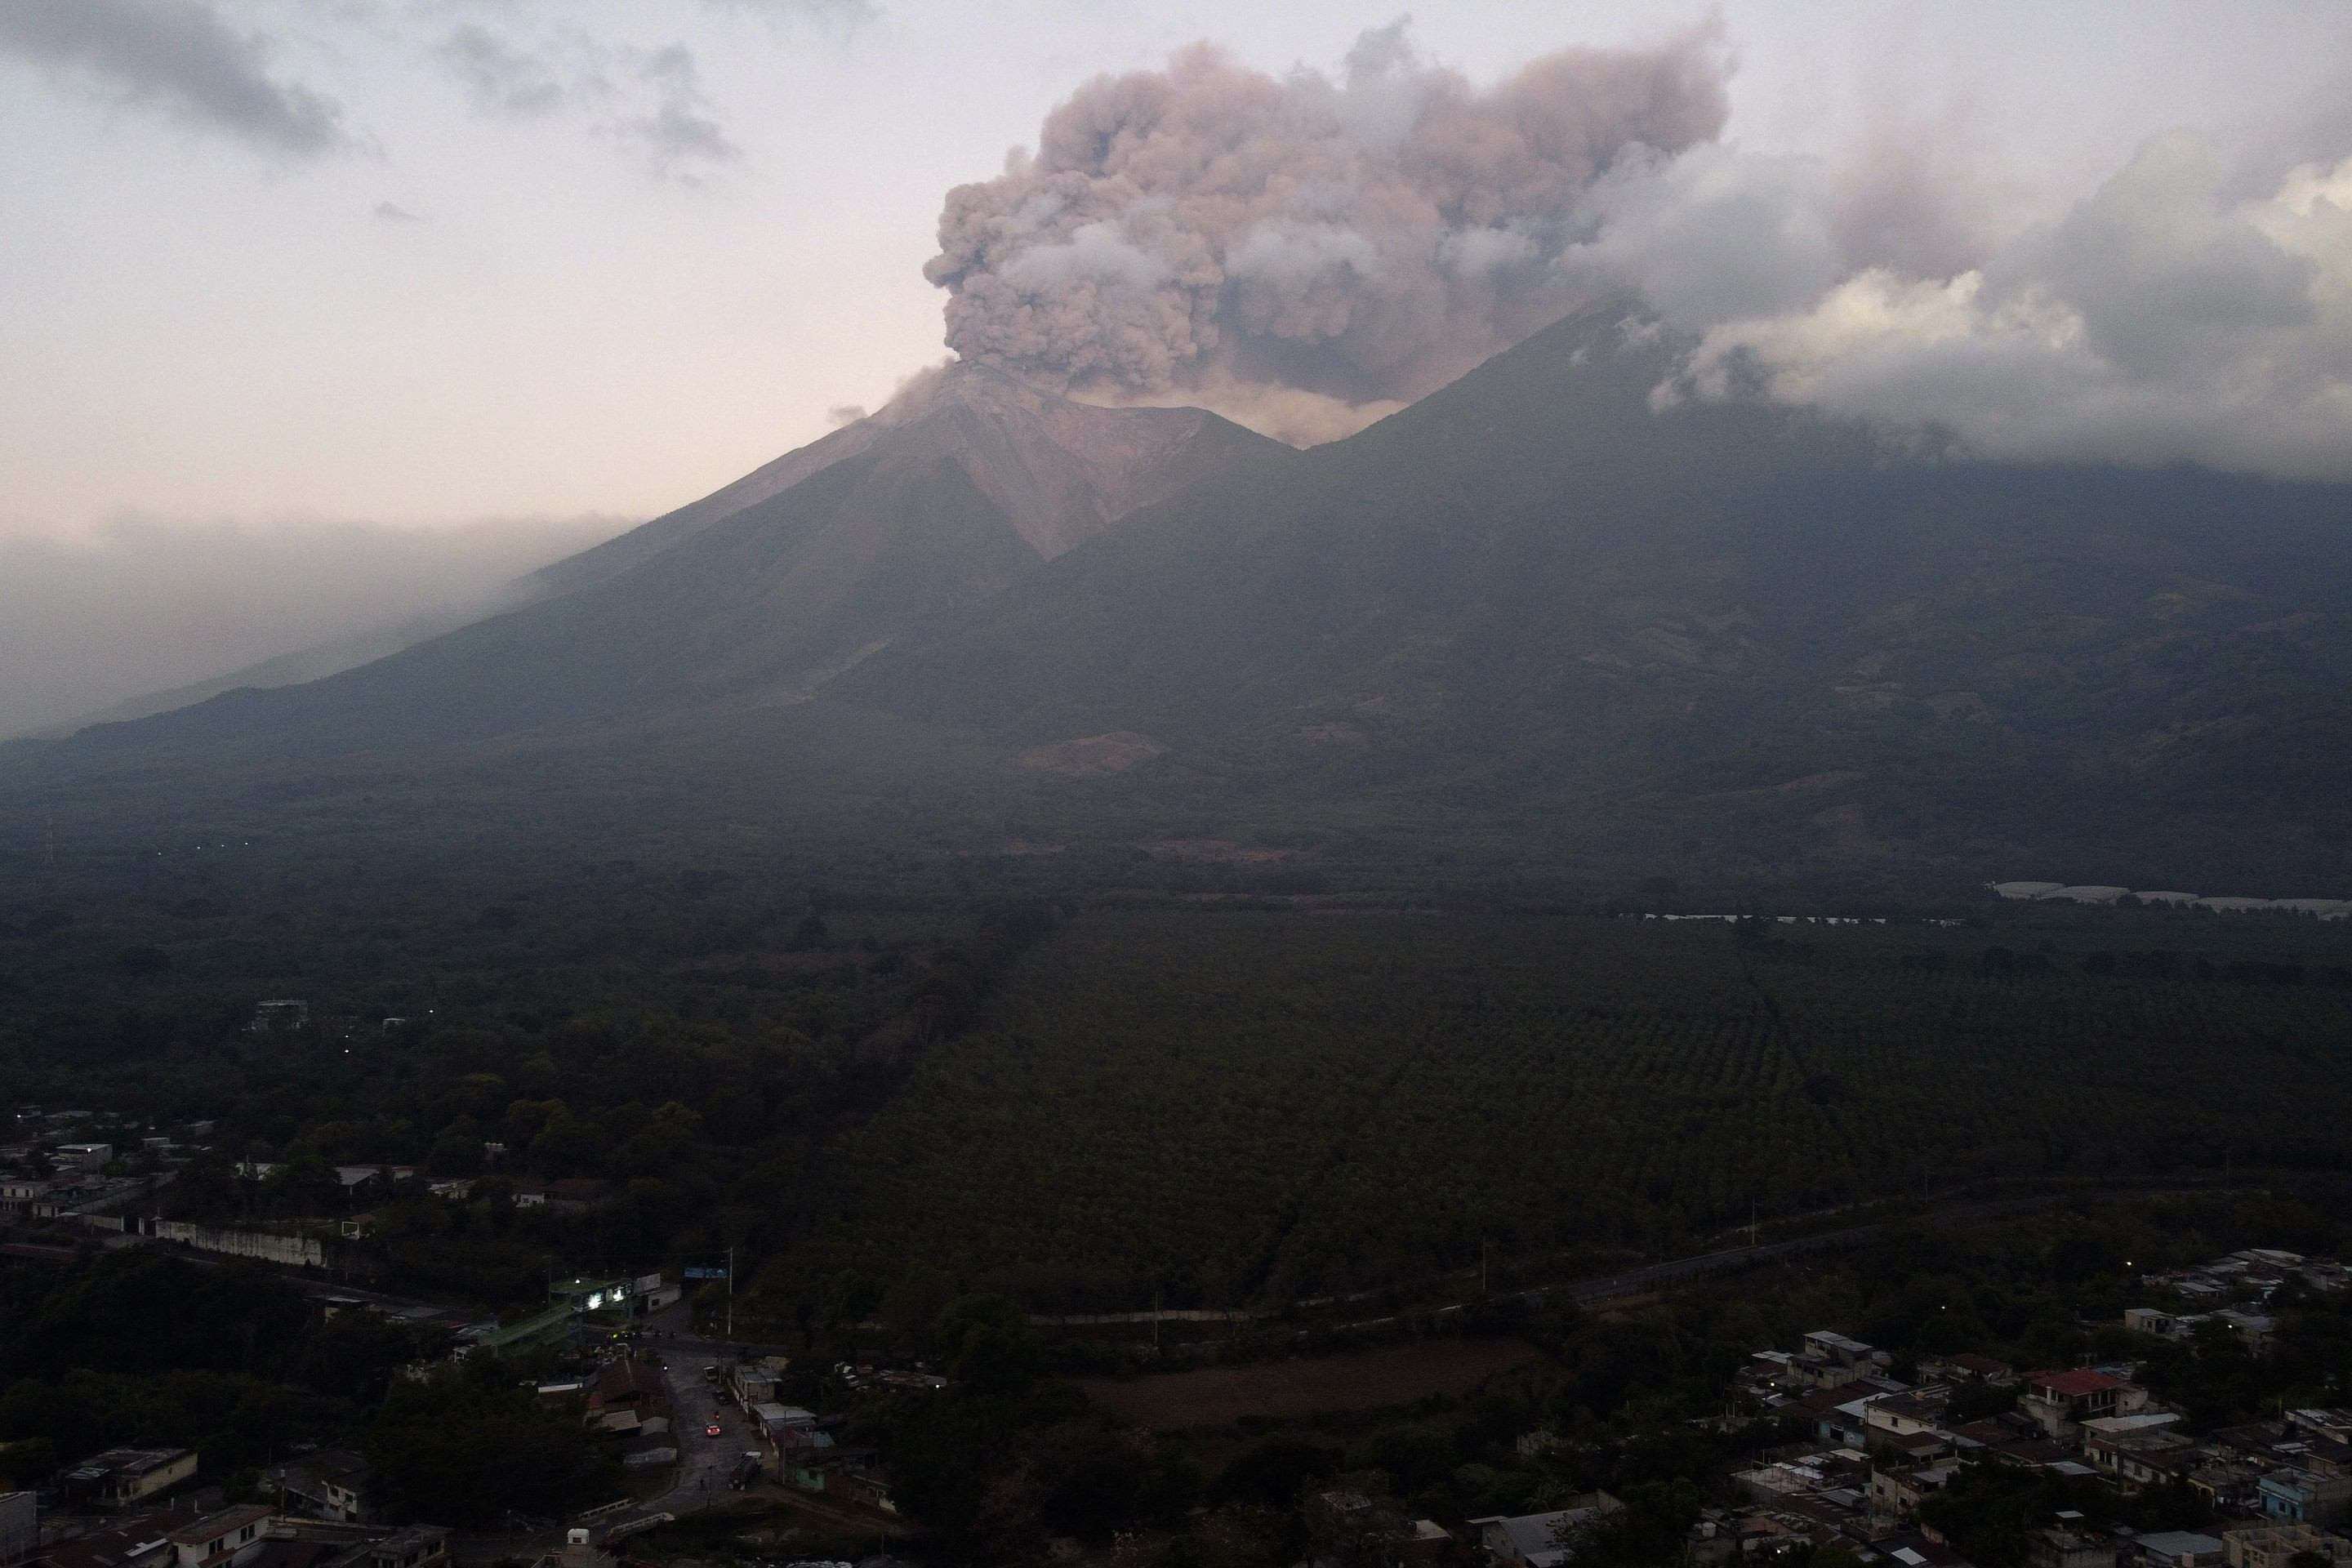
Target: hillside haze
(1551,611)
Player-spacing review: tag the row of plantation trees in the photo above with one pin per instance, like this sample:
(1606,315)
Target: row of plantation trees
(1233,1113)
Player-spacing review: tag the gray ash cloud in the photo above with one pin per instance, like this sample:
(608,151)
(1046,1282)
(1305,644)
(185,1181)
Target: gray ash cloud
(1314,251)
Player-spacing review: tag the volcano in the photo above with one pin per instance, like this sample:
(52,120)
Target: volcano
(1550,607)
(765,589)
(1060,472)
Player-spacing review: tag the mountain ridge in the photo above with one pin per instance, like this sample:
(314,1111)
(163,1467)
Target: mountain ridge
(1061,471)
(1539,606)
(1540,589)
(934,503)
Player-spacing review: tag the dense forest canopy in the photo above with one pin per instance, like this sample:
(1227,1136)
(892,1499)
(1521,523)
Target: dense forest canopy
(1090,1106)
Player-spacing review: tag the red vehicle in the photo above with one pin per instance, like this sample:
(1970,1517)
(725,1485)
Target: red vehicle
(712,1430)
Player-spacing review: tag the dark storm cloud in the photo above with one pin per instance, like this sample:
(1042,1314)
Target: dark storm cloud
(178,56)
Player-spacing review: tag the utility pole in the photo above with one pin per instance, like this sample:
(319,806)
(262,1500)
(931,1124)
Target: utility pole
(730,1295)
(1155,1322)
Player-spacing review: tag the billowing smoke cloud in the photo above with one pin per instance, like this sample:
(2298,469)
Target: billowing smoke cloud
(141,604)
(2163,318)
(1307,253)
(1304,253)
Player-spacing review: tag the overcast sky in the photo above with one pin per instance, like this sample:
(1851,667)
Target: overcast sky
(271,264)
(421,260)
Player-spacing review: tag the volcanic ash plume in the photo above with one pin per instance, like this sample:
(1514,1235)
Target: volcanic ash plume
(1303,254)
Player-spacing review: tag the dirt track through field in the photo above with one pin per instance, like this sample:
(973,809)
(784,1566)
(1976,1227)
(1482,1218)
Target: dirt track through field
(1360,1380)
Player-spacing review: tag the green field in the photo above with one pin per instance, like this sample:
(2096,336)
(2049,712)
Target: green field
(1253,1107)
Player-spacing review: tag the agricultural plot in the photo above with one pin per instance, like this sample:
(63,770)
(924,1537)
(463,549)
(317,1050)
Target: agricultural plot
(1309,1386)
(1255,1108)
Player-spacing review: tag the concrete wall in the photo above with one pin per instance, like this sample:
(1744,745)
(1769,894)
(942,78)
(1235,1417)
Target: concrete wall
(161,1478)
(20,1526)
(268,1247)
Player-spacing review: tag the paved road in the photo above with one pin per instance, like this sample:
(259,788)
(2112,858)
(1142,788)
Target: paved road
(705,1464)
(1632,1281)
(1636,1281)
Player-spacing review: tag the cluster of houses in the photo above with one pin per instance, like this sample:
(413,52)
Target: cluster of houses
(100,1170)
(801,1445)
(116,1515)
(370,1183)
(64,1163)
(2231,1292)
(626,1400)
(1881,1447)
(61,1164)
(1878,1447)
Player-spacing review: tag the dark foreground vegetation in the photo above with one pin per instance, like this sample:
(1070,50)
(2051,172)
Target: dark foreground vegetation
(236,1363)
(973,1092)
(1090,1108)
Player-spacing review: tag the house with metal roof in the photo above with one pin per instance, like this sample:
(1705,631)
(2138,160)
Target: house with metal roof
(1541,1540)
(221,1540)
(121,1477)
(2178,1548)
(2059,1402)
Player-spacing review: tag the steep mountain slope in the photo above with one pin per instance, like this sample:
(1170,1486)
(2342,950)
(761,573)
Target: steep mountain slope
(915,512)
(1539,595)
(1543,619)
(604,561)
(1063,469)
(597,564)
